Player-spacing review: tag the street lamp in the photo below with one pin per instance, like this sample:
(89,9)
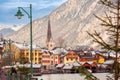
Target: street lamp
(19,16)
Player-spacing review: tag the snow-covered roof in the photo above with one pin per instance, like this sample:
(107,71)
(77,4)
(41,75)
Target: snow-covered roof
(109,62)
(60,65)
(28,65)
(67,66)
(7,66)
(55,51)
(22,46)
(59,50)
(93,52)
(103,65)
(85,51)
(34,65)
(76,64)
(112,54)
(89,62)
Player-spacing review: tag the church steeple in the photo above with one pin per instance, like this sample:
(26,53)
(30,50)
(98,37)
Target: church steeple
(49,34)
(49,41)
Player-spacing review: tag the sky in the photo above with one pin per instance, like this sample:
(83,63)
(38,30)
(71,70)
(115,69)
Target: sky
(40,8)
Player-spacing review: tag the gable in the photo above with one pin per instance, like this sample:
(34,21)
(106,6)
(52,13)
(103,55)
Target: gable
(72,53)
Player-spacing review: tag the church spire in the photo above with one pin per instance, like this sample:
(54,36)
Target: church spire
(49,41)
(49,34)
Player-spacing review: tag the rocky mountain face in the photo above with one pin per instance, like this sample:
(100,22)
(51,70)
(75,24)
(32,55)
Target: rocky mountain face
(69,24)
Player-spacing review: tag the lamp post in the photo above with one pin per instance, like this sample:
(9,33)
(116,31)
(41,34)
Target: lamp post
(19,16)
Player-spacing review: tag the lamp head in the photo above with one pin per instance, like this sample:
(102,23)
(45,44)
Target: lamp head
(19,14)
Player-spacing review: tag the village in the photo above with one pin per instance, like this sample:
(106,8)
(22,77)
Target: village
(60,40)
(57,60)
(52,59)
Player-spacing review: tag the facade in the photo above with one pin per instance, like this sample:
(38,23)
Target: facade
(46,59)
(85,56)
(37,55)
(87,59)
(100,58)
(55,58)
(71,57)
(21,51)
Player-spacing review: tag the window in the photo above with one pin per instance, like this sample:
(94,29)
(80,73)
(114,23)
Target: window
(39,58)
(39,62)
(67,59)
(56,62)
(76,58)
(45,61)
(35,54)
(56,57)
(51,62)
(50,45)
(27,54)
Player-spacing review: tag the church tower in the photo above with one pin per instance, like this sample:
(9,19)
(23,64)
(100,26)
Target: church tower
(49,42)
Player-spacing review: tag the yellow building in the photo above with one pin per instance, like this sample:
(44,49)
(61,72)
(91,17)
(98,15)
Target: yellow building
(22,51)
(100,58)
(71,57)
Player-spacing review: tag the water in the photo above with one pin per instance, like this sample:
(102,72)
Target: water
(101,76)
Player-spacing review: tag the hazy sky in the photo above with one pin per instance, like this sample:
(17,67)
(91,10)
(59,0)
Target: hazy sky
(40,8)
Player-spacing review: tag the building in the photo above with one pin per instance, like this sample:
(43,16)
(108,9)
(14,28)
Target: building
(100,58)
(55,58)
(46,60)
(21,52)
(71,57)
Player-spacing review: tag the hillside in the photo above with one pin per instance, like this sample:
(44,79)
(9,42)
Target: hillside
(69,23)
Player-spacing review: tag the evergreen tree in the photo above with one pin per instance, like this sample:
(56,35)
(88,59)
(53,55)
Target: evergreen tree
(111,22)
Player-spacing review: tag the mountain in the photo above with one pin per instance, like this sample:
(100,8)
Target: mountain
(9,29)
(69,23)
(6,31)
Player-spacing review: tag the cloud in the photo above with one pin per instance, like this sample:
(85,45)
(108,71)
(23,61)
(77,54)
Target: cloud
(13,5)
(37,4)
(40,8)
(50,4)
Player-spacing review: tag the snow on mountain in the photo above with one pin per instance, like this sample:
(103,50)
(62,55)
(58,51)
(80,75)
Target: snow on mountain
(8,29)
(13,27)
(69,22)
(17,27)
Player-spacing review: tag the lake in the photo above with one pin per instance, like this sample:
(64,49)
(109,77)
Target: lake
(101,76)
